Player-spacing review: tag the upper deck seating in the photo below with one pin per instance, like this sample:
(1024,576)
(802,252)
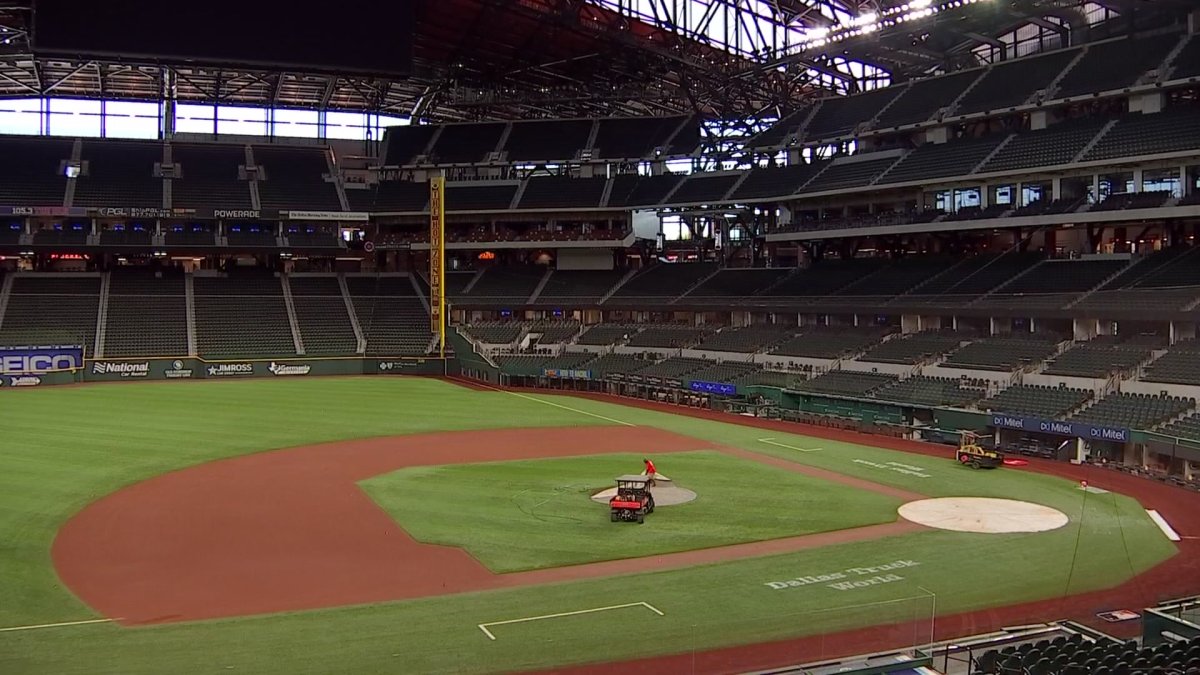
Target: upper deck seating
(922,99)
(466,143)
(1012,83)
(1114,64)
(547,139)
(210,177)
(405,143)
(39,178)
(295,179)
(120,174)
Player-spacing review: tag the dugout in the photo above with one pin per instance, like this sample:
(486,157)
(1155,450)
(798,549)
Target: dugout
(1060,440)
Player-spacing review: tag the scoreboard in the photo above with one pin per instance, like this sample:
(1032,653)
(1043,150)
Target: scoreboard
(350,36)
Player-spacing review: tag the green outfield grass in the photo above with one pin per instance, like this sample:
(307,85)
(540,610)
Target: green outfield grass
(62,448)
(534,514)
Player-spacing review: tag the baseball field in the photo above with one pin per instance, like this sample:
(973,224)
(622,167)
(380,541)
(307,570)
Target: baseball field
(416,525)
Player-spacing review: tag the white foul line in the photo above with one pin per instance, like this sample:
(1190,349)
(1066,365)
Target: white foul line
(55,625)
(1162,525)
(484,626)
(556,405)
(772,441)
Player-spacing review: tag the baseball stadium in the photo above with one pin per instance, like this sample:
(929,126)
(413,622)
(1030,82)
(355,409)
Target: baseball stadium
(591,336)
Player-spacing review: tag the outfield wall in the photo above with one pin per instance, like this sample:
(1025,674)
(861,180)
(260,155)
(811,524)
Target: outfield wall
(191,368)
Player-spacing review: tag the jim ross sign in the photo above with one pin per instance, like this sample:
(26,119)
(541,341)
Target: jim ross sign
(39,360)
(1060,428)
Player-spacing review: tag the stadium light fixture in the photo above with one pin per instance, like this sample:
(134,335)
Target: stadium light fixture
(871,22)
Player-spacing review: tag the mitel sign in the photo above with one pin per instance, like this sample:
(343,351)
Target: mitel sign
(39,360)
(1062,428)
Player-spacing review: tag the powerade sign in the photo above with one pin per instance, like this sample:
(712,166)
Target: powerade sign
(714,388)
(1062,428)
(39,360)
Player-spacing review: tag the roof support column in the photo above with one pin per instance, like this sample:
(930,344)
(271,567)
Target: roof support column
(166,108)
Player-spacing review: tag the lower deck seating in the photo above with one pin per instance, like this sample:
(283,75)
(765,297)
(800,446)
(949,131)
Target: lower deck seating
(725,372)
(746,340)
(1134,411)
(1037,401)
(671,336)
(846,383)
(934,391)
(915,348)
(52,310)
(553,332)
(240,318)
(147,316)
(1078,656)
(1187,428)
(1180,365)
(393,320)
(321,314)
(495,332)
(1097,358)
(619,364)
(605,334)
(1004,352)
(675,367)
(829,342)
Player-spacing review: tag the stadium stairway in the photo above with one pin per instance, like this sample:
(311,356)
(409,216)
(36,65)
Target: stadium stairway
(189,299)
(358,331)
(617,286)
(5,291)
(102,313)
(290,303)
(1105,282)
(537,291)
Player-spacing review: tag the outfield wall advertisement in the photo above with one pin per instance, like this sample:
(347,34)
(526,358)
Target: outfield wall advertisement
(1061,428)
(39,359)
(33,367)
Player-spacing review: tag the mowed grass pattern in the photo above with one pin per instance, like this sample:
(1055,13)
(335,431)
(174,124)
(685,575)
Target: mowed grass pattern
(62,448)
(534,514)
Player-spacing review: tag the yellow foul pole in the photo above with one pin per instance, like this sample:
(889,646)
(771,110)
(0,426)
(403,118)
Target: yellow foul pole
(437,260)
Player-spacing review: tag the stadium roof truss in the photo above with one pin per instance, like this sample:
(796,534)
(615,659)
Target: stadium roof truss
(585,58)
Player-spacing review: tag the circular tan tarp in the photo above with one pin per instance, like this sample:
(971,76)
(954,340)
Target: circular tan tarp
(983,514)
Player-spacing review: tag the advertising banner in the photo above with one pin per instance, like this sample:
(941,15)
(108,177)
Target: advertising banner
(342,216)
(714,388)
(112,370)
(566,374)
(38,360)
(411,366)
(1061,428)
(54,211)
(151,213)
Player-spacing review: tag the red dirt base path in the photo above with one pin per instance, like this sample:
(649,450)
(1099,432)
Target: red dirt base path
(1176,577)
(290,529)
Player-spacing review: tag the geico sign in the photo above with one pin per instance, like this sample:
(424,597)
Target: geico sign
(36,363)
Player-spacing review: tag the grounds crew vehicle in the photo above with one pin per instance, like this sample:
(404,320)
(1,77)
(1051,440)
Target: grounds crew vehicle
(971,454)
(633,499)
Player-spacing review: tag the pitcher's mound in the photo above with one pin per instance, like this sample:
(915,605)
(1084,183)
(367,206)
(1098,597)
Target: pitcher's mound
(983,514)
(664,495)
